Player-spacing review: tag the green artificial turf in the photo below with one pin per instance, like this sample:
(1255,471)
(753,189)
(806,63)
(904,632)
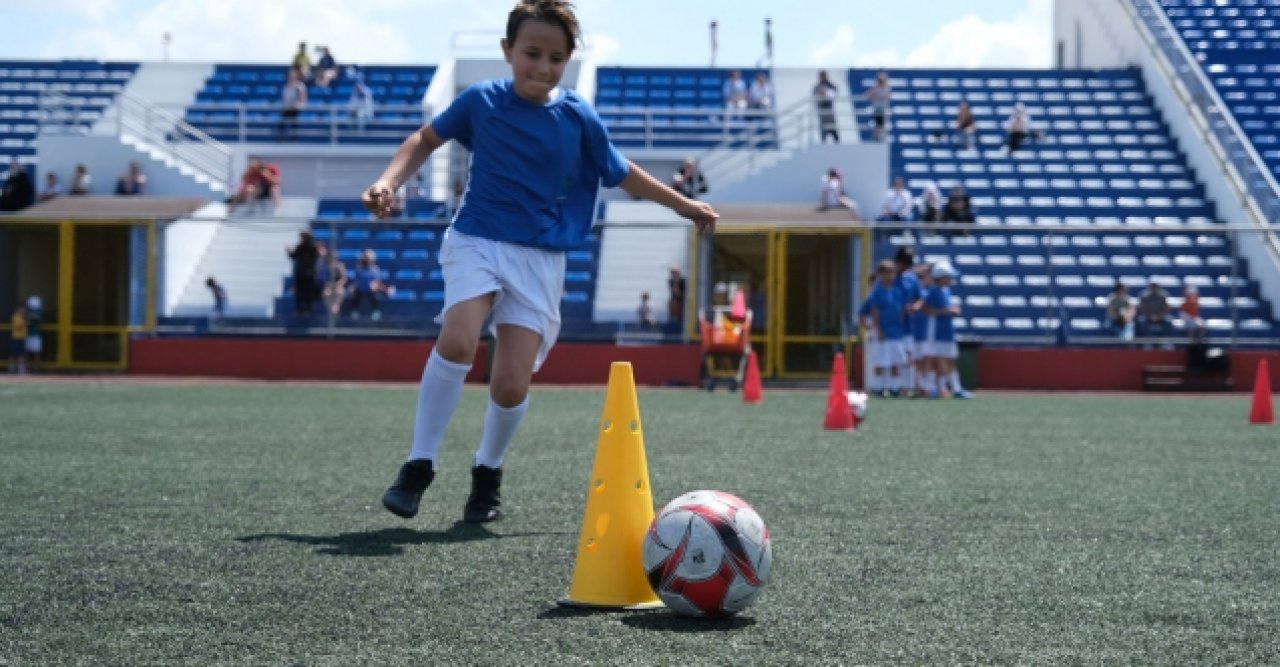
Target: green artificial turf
(238,525)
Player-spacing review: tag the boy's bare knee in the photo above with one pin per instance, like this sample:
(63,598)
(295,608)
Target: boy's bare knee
(508,394)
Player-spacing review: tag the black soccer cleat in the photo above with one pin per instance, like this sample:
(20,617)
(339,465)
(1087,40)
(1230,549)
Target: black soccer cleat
(403,496)
(485,502)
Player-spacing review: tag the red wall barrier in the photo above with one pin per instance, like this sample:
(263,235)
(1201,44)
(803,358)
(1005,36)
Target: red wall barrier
(1106,369)
(364,360)
(654,365)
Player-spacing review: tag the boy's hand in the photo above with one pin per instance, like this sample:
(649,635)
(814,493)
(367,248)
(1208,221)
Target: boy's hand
(703,216)
(378,198)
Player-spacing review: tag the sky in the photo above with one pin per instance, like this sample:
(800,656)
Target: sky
(806,33)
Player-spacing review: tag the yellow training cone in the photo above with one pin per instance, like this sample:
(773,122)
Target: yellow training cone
(608,571)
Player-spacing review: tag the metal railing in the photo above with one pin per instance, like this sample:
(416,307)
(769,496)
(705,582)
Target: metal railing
(318,123)
(1231,146)
(152,127)
(797,126)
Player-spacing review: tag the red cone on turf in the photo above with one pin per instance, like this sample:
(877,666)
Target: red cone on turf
(751,390)
(839,414)
(1261,412)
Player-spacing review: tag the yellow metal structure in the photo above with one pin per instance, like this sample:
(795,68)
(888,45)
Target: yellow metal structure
(608,571)
(64,330)
(771,343)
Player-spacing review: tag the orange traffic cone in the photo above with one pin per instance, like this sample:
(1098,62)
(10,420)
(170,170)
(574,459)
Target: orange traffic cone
(839,414)
(751,390)
(1261,412)
(608,572)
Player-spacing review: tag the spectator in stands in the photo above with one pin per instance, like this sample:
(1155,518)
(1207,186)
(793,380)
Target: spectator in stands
(880,95)
(360,108)
(688,179)
(366,285)
(51,189)
(735,94)
(293,98)
(1189,311)
(331,277)
(833,195)
(1120,312)
(930,203)
(958,208)
(898,205)
(326,67)
(80,181)
(301,62)
(1153,311)
(966,126)
(824,99)
(675,300)
(219,294)
(1020,127)
(304,257)
(760,94)
(18,340)
(645,318)
(19,192)
(132,182)
(260,181)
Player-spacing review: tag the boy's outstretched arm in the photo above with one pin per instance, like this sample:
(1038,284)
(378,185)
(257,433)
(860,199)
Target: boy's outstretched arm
(408,160)
(639,183)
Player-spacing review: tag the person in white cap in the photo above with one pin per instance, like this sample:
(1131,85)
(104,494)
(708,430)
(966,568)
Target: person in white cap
(942,346)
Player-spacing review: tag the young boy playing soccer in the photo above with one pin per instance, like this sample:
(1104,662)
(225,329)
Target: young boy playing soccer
(539,153)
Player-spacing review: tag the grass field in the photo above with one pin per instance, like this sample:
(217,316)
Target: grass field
(240,524)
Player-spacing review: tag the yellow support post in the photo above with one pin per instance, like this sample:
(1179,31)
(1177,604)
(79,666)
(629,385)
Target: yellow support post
(66,291)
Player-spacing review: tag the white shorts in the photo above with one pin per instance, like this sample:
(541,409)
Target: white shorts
(890,353)
(34,344)
(944,349)
(529,283)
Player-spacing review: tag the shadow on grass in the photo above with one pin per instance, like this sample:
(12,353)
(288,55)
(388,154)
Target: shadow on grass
(669,621)
(663,620)
(385,542)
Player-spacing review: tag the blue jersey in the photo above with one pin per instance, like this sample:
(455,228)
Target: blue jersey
(535,169)
(888,304)
(942,328)
(908,287)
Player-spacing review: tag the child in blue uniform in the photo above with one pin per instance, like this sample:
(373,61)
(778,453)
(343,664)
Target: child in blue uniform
(943,350)
(539,154)
(888,312)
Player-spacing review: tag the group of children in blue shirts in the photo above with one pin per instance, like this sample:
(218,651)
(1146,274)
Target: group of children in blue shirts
(911,335)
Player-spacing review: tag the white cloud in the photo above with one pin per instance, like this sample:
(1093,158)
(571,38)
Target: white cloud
(1023,41)
(237,30)
(838,49)
(603,47)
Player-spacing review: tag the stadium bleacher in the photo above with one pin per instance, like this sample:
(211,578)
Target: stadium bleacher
(242,103)
(409,257)
(88,86)
(675,107)
(1106,162)
(1238,44)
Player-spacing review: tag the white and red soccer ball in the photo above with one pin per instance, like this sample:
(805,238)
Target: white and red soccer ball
(707,554)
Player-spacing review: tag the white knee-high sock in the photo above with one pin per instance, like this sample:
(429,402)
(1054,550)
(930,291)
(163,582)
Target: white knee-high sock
(500,426)
(955,381)
(438,396)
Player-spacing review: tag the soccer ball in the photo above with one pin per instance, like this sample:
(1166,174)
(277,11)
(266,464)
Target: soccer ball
(707,554)
(858,402)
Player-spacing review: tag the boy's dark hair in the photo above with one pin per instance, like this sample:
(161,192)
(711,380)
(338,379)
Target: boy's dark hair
(905,256)
(554,12)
